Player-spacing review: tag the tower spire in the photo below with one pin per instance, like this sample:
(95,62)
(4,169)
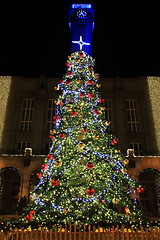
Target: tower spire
(81,23)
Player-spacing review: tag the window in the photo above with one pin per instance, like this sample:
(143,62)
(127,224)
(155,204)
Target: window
(81,31)
(22,146)
(150,198)
(27,113)
(108,109)
(51,113)
(48,146)
(137,148)
(108,112)
(10,184)
(133,115)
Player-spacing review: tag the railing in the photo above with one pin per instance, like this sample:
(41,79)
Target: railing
(74,232)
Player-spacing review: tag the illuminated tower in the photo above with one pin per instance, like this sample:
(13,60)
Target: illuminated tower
(81,23)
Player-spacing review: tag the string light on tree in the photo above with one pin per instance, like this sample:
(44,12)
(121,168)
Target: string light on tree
(84,177)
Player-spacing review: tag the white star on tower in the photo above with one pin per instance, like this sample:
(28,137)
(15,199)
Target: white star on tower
(81,43)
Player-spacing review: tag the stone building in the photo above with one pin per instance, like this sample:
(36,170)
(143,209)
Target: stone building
(27,109)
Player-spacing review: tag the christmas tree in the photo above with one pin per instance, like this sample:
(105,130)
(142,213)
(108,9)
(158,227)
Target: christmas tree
(84,178)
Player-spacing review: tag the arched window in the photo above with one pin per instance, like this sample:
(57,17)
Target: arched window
(150,198)
(10,188)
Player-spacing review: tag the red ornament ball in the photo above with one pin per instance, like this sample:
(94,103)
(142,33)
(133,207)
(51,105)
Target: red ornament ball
(67,64)
(103,201)
(90,165)
(68,82)
(51,137)
(81,55)
(44,166)
(84,130)
(55,182)
(73,113)
(90,95)
(50,156)
(70,73)
(82,94)
(140,190)
(101,100)
(39,175)
(60,103)
(90,191)
(56,118)
(29,217)
(112,143)
(96,112)
(115,140)
(32,212)
(90,68)
(90,82)
(62,135)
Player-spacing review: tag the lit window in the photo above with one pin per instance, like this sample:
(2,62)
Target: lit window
(137,148)
(22,146)
(27,113)
(133,115)
(51,114)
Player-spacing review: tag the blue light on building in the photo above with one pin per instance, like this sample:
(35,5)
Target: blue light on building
(81,23)
(81,6)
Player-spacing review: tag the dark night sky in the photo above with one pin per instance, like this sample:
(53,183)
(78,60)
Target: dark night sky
(35,38)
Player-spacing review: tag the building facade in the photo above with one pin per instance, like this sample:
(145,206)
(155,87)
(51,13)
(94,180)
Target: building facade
(27,109)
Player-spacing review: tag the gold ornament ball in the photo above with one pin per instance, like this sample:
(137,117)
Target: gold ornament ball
(81,145)
(115,201)
(66,210)
(124,170)
(31,198)
(117,151)
(56,88)
(58,163)
(126,161)
(96,137)
(107,123)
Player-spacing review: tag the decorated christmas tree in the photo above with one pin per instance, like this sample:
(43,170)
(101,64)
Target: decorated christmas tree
(84,178)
